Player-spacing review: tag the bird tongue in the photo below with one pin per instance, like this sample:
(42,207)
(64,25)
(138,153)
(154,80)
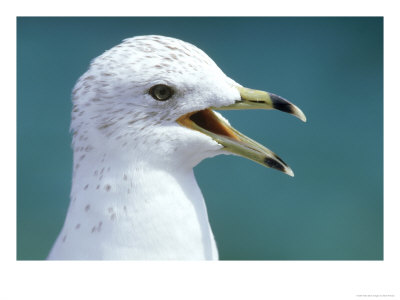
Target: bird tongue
(207,119)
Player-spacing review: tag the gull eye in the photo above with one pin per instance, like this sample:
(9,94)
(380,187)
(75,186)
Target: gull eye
(161,92)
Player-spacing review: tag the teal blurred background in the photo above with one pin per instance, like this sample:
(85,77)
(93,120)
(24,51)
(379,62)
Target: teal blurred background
(332,68)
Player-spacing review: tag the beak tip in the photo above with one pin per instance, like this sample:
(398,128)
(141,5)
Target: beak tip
(282,104)
(299,113)
(278,164)
(303,118)
(290,172)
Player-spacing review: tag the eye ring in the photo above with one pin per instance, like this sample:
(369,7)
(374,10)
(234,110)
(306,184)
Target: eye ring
(161,92)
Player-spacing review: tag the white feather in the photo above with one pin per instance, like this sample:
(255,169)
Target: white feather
(134,195)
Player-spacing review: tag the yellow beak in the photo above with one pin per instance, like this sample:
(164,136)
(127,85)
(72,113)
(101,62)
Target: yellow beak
(208,122)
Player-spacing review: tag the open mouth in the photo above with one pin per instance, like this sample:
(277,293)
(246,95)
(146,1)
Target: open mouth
(209,123)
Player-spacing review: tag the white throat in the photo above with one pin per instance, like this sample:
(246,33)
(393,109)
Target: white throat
(133,210)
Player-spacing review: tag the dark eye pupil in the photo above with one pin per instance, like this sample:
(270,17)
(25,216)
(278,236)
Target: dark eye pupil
(161,92)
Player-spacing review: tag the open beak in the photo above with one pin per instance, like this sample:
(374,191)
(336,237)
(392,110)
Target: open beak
(209,123)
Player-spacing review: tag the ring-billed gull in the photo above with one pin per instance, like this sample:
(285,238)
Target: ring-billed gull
(143,116)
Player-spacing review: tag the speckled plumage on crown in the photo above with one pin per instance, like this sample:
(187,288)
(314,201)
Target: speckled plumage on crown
(113,76)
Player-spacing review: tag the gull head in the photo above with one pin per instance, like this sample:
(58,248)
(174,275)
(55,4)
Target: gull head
(154,99)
